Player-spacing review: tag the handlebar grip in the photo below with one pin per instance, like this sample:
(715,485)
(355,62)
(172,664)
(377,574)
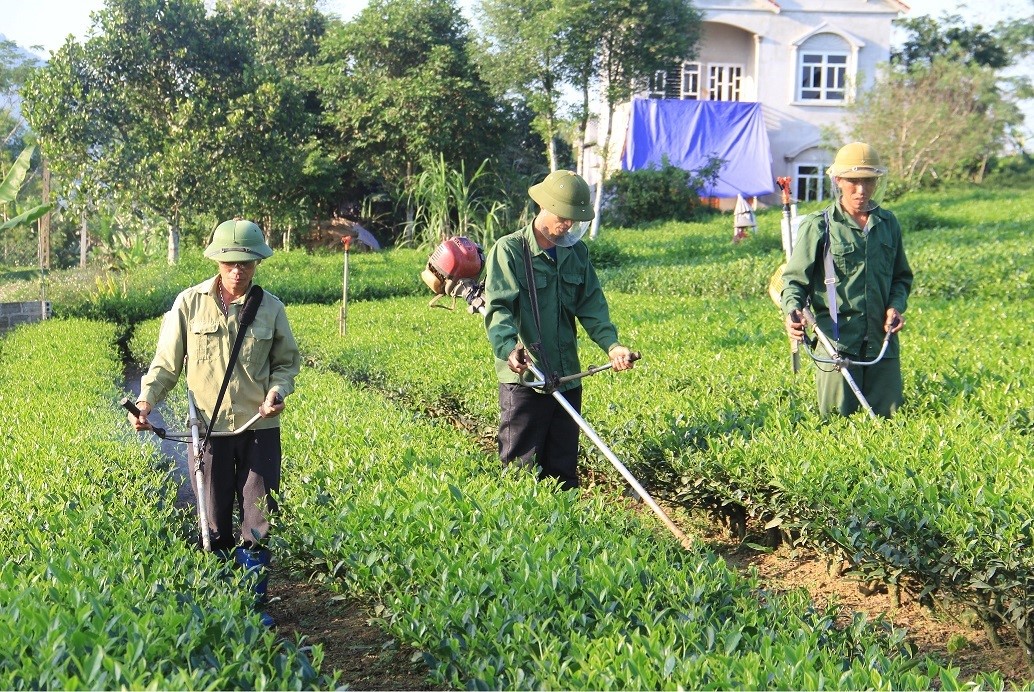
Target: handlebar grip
(131,407)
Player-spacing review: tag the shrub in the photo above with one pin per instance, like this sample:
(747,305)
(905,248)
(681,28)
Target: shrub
(665,193)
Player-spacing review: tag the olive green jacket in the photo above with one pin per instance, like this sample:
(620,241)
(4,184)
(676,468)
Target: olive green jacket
(567,289)
(872,274)
(196,329)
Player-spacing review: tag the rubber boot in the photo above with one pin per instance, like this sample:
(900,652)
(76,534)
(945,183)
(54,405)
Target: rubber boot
(255,562)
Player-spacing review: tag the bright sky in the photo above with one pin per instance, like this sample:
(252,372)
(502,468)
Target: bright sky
(47,22)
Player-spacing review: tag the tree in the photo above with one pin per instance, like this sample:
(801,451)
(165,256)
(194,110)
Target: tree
(170,109)
(11,184)
(942,108)
(949,38)
(526,54)
(937,122)
(633,39)
(15,67)
(399,89)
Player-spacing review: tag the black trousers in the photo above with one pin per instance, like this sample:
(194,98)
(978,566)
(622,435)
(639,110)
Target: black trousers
(241,471)
(535,430)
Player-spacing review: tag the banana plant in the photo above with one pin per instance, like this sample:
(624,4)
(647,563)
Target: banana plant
(11,186)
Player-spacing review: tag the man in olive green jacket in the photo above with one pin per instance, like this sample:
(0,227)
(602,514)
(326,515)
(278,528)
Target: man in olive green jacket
(534,429)
(197,334)
(872,277)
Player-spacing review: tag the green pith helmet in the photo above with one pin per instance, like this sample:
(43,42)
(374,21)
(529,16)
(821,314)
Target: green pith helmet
(565,194)
(857,160)
(237,240)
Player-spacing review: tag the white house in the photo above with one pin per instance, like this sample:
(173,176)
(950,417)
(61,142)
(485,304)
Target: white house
(802,60)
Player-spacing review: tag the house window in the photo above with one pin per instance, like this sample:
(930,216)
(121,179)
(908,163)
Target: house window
(690,81)
(823,76)
(724,82)
(657,86)
(812,185)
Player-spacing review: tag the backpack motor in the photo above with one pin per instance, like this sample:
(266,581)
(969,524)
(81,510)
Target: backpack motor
(453,268)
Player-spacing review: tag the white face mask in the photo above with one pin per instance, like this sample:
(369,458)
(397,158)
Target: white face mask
(578,229)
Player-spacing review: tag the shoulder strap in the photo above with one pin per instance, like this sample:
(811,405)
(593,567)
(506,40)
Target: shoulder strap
(529,273)
(830,278)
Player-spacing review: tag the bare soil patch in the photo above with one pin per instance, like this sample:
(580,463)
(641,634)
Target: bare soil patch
(951,634)
(357,650)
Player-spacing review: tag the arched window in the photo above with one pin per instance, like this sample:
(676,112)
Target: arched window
(823,69)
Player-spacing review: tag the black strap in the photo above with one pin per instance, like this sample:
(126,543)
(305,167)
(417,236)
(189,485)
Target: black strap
(536,348)
(247,316)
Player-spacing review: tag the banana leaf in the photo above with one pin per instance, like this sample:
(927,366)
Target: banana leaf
(27,217)
(13,180)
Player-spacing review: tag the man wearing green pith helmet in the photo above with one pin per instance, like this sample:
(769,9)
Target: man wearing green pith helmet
(853,250)
(242,472)
(534,430)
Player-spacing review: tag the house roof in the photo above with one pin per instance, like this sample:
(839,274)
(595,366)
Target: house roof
(774,6)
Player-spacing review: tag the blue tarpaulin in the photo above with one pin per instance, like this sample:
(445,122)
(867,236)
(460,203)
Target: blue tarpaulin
(689,133)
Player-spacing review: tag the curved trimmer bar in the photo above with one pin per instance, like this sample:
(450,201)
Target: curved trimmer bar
(838,361)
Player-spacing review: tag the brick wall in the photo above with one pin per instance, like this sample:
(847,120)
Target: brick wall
(13,314)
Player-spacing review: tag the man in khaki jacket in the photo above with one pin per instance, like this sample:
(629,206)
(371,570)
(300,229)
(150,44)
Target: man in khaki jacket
(198,334)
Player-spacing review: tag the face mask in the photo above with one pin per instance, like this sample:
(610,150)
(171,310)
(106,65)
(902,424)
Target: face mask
(875,200)
(576,233)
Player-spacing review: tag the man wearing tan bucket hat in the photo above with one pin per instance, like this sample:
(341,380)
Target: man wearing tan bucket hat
(852,251)
(539,283)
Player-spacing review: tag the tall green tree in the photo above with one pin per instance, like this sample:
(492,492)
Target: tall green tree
(169,107)
(15,67)
(526,55)
(282,171)
(941,121)
(944,106)
(929,39)
(399,89)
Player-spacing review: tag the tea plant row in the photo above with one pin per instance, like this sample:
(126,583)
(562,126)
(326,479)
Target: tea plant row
(99,588)
(507,583)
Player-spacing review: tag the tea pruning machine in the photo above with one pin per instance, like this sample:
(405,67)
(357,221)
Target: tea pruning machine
(453,270)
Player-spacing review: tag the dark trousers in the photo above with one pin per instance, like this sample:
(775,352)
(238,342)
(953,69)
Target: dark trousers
(241,471)
(534,429)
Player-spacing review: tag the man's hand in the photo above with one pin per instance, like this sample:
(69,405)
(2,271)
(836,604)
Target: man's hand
(621,358)
(795,325)
(518,360)
(894,321)
(272,406)
(140,422)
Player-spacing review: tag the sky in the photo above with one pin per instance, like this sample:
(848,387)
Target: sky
(46,23)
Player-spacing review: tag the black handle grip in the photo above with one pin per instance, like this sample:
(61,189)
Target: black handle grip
(634,356)
(131,407)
